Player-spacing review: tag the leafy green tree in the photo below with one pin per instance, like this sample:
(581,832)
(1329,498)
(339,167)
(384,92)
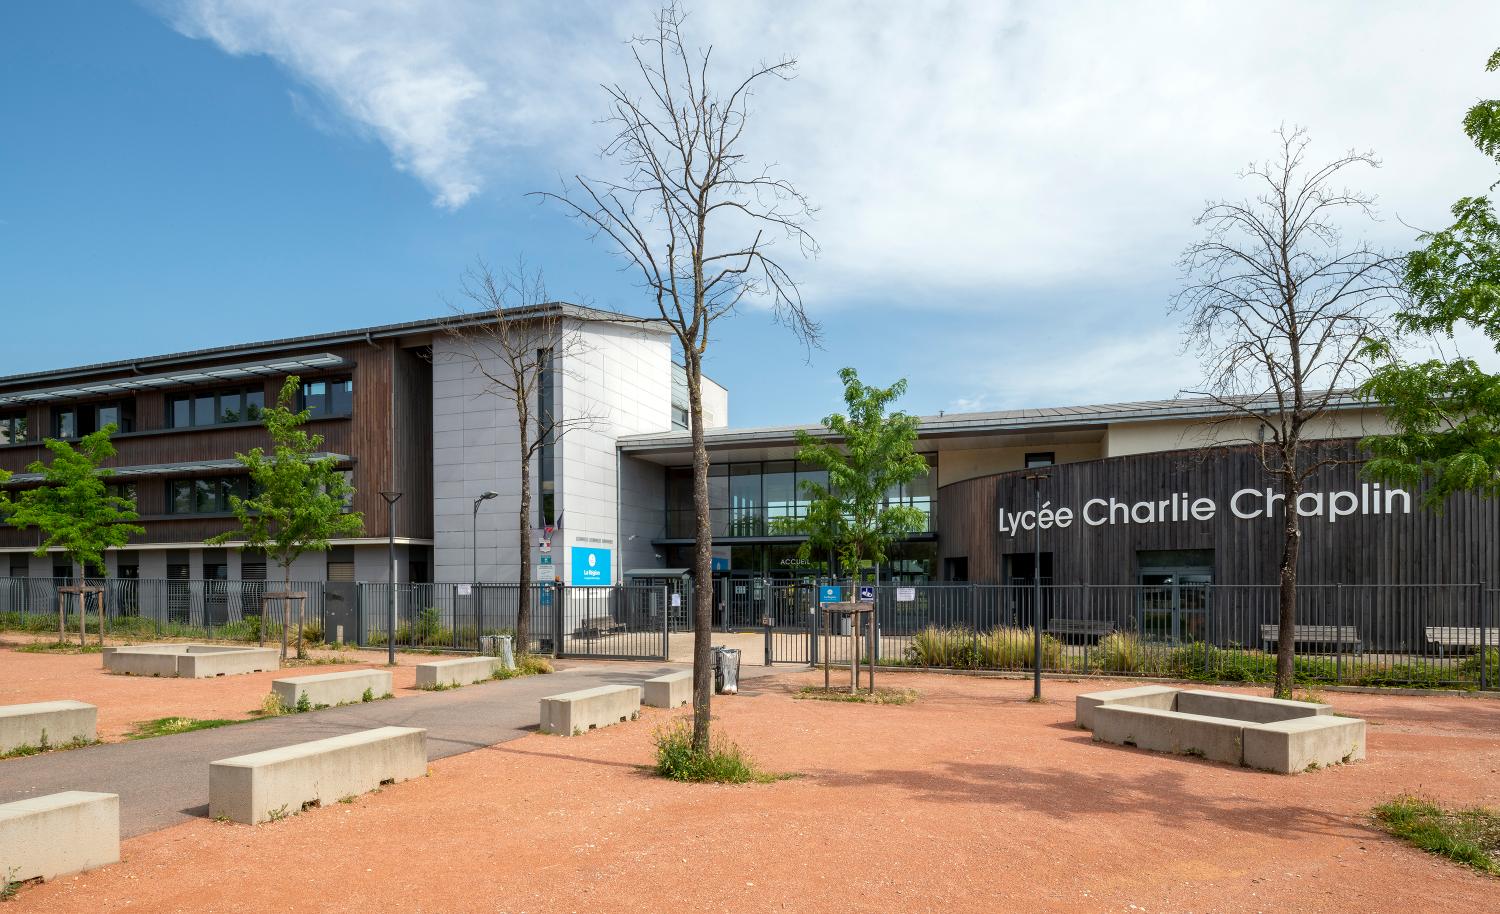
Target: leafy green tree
(1445,413)
(871,456)
(75,510)
(298,501)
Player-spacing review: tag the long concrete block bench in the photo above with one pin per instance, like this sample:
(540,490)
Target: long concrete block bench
(1251,708)
(50,723)
(672,690)
(1300,743)
(1217,738)
(460,672)
(588,709)
(344,688)
(190,661)
(58,834)
(1160,697)
(261,786)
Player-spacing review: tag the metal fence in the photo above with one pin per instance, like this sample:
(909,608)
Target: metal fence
(161,608)
(1420,635)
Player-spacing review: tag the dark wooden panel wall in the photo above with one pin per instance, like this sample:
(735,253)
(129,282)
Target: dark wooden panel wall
(1455,546)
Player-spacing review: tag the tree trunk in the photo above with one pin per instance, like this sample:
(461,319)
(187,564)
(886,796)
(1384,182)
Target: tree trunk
(703,589)
(523,593)
(286,606)
(1287,587)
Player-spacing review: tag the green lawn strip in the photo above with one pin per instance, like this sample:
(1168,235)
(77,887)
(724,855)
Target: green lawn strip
(55,647)
(1468,836)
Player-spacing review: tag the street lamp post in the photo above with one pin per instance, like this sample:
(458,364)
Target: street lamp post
(1036,589)
(474,566)
(390,528)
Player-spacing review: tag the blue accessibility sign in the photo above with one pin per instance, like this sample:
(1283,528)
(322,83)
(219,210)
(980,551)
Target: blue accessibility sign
(866,594)
(830,594)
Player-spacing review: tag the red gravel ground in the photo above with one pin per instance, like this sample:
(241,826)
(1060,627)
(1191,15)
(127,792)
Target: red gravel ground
(972,799)
(125,700)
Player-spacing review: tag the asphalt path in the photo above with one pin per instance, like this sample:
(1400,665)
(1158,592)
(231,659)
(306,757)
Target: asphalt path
(164,780)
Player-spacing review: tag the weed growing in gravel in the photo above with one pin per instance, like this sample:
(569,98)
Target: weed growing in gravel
(882,696)
(166,726)
(723,763)
(369,695)
(55,647)
(272,705)
(304,704)
(46,745)
(1467,836)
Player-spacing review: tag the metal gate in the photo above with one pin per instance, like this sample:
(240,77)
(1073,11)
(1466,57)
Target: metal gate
(790,620)
(623,622)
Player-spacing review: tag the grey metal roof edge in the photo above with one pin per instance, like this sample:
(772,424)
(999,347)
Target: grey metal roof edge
(380,331)
(960,423)
(164,469)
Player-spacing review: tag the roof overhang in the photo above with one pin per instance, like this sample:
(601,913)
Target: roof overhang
(171,469)
(243,371)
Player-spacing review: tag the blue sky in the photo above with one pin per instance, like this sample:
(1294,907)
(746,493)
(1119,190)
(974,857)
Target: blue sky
(1003,188)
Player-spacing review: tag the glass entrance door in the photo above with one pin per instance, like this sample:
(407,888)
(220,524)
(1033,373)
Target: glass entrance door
(1173,604)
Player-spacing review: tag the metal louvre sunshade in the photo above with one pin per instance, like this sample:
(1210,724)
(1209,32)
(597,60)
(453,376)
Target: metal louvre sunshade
(212,374)
(165,469)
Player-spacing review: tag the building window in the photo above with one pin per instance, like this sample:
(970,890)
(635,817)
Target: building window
(64,422)
(125,490)
(120,414)
(546,471)
(680,417)
(205,496)
(13,428)
(327,397)
(1036,459)
(216,407)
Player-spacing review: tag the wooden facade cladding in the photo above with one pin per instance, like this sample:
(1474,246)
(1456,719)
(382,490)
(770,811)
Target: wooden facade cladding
(1458,545)
(387,437)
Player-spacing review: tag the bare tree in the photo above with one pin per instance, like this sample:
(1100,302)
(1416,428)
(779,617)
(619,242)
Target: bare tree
(1279,308)
(520,342)
(699,225)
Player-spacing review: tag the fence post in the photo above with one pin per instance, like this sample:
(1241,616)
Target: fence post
(666,622)
(557,618)
(815,629)
(1338,633)
(1484,656)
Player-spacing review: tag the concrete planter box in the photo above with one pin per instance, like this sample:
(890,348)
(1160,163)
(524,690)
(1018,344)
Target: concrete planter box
(58,834)
(589,709)
(1216,738)
(333,688)
(670,691)
(190,661)
(1162,698)
(264,785)
(1291,746)
(52,722)
(461,672)
(1265,733)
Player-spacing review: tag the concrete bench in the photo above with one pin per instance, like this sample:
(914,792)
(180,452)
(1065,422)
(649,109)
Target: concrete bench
(331,689)
(261,786)
(59,833)
(1291,746)
(1335,636)
(190,661)
(1161,697)
(1449,637)
(587,709)
(1217,738)
(460,672)
(1252,709)
(670,691)
(50,723)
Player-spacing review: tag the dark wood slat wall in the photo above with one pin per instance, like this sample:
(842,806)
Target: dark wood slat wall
(389,437)
(1458,545)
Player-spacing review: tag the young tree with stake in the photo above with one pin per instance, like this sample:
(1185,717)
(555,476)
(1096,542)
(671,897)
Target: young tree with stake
(75,511)
(298,499)
(518,340)
(1279,308)
(696,221)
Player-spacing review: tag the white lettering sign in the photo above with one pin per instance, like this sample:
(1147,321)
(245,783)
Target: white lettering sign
(1181,507)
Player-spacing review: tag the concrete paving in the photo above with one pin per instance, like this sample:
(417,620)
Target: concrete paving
(164,780)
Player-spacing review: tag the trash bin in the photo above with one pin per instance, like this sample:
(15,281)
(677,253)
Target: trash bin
(726,670)
(498,646)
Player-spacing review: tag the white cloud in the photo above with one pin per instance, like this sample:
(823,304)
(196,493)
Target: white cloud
(960,146)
